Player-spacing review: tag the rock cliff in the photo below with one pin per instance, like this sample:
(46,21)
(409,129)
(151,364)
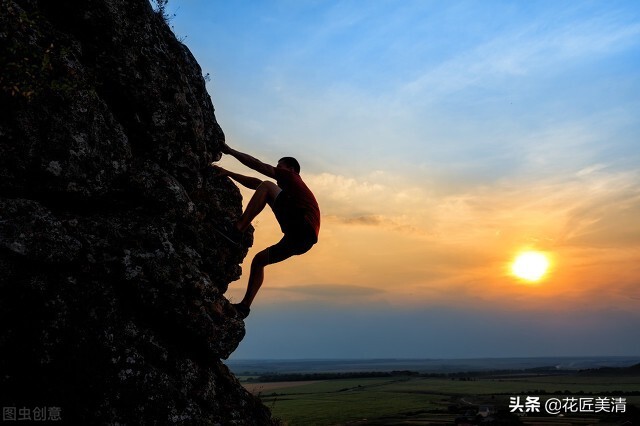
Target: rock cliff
(112,280)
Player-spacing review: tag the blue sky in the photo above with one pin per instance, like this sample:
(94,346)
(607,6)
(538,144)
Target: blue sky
(393,79)
(441,138)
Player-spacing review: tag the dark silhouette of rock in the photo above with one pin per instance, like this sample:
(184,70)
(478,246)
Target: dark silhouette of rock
(112,280)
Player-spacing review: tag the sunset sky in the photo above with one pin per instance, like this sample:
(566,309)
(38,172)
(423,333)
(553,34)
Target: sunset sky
(441,140)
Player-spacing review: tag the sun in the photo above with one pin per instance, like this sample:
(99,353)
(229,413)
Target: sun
(530,265)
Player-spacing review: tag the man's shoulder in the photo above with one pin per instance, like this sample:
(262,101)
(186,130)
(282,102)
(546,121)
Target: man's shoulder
(287,175)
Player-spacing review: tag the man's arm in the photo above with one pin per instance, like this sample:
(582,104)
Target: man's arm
(248,181)
(251,162)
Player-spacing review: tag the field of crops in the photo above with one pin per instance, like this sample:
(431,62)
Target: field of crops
(422,400)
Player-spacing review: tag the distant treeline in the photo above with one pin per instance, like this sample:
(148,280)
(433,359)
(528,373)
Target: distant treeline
(634,369)
(463,375)
(298,377)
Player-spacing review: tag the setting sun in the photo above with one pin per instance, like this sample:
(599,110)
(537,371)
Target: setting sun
(530,265)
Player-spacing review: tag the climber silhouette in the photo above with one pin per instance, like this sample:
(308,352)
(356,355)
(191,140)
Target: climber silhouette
(293,204)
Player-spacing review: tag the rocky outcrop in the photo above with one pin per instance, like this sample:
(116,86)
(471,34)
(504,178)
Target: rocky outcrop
(112,279)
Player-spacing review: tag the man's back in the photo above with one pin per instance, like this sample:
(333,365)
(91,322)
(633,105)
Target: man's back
(301,195)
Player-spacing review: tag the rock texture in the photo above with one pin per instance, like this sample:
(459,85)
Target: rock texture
(112,279)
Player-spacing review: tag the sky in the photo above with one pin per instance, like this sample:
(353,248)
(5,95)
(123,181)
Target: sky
(441,140)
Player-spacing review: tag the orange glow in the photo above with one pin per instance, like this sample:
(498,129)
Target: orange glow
(386,241)
(530,266)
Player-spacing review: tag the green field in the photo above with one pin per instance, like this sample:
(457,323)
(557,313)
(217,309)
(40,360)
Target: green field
(422,400)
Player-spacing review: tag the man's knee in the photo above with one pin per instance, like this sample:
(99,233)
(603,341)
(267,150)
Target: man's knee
(270,189)
(261,259)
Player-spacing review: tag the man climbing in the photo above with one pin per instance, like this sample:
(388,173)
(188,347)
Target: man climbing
(293,204)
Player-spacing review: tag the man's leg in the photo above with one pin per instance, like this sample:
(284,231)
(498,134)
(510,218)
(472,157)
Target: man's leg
(282,250)
(285,248)
(265,194)
(256,277)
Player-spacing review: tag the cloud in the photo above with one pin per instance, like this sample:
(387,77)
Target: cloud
(380,199)
(332,290)
(368,220)
(276,292)
(604,210)
(456,245)
(593,205)
(535,47)
(595,200)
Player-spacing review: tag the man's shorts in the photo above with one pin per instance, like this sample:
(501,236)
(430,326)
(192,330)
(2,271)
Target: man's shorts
(299,235)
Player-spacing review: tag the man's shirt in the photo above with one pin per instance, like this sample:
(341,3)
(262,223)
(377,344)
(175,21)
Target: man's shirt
(301,195)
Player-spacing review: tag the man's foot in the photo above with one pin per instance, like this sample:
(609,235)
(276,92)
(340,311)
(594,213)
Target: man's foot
(229,231)
(242,310)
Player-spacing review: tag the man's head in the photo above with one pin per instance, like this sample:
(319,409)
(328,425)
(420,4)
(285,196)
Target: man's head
(289,163)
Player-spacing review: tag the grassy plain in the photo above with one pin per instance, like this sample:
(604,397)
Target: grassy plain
(439,400)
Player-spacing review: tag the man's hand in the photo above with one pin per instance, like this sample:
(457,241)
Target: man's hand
(219,171)
(248,181)
(249,161)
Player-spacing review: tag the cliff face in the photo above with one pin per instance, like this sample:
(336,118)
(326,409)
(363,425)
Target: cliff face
(111,276)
